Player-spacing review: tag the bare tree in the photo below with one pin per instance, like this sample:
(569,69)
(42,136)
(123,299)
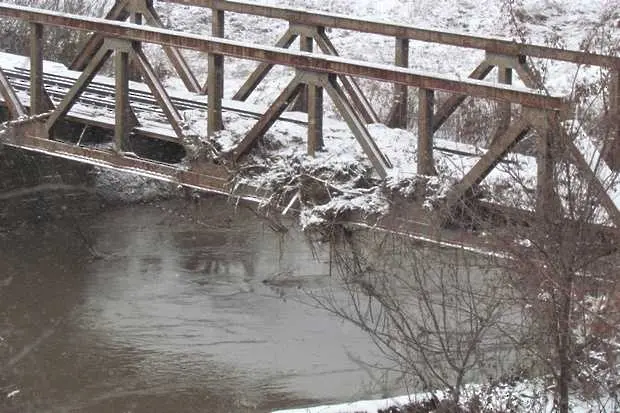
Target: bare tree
(437,314)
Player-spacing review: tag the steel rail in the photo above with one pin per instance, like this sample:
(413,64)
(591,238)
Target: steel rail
(338,21)
(299,60)
(141,100)
(98,92)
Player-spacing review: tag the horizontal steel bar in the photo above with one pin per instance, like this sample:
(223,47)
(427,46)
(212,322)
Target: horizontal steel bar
(300,60)
(337,21)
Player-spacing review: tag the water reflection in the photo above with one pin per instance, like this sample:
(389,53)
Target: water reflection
(169,307)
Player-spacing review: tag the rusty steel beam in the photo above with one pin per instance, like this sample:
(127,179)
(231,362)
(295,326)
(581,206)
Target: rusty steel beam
(124,118)
(16,109)
(337,21)
(599,188)
(315,119)
(80,85)
(303,61)
(306,44)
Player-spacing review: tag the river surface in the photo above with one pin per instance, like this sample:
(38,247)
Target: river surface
(176,306)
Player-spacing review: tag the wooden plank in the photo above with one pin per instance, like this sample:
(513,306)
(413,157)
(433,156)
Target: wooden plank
(158,90)
(216,78)
(356,123)
(80,85)
(487,162)
(398,113)
(16,109)
(261,71)
(350,86)
(315,63)
(426,164)
(87,53)
(269,117)
(453,102)
(337,21)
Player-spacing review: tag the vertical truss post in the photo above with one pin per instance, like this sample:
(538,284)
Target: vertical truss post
(215,83)
(301,104)
(426,164)
(398,113)
(135,17)
(123,115)
(545,173)
(547,126)
(504,76)
(612,150)
(39,101)
(315,118)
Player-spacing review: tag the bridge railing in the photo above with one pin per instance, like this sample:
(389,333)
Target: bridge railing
(505,55)
(316,72)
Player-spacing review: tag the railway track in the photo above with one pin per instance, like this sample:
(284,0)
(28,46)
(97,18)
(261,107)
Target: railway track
(101,95)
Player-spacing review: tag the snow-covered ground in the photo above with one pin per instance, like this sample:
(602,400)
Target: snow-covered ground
(570,23)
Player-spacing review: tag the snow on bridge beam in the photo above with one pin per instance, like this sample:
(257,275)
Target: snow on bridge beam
(338,21)
(299,60)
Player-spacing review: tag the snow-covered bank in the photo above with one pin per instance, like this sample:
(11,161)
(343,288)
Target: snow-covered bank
(515,397)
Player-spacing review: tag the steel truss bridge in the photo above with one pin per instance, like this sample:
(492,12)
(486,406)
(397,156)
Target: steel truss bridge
(39,102)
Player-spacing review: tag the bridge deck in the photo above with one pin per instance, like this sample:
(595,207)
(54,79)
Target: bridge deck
(95,106)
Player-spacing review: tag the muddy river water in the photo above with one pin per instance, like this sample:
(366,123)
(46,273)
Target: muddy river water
(174,306)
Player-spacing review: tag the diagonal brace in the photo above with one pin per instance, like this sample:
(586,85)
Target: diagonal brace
(263,69)
(178,61)
(356,123)
(8,94)
(454,101)
(80,85)
(95,42)
(498,149)
(272,114)
(353,90)
(608,203)
(162,97)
